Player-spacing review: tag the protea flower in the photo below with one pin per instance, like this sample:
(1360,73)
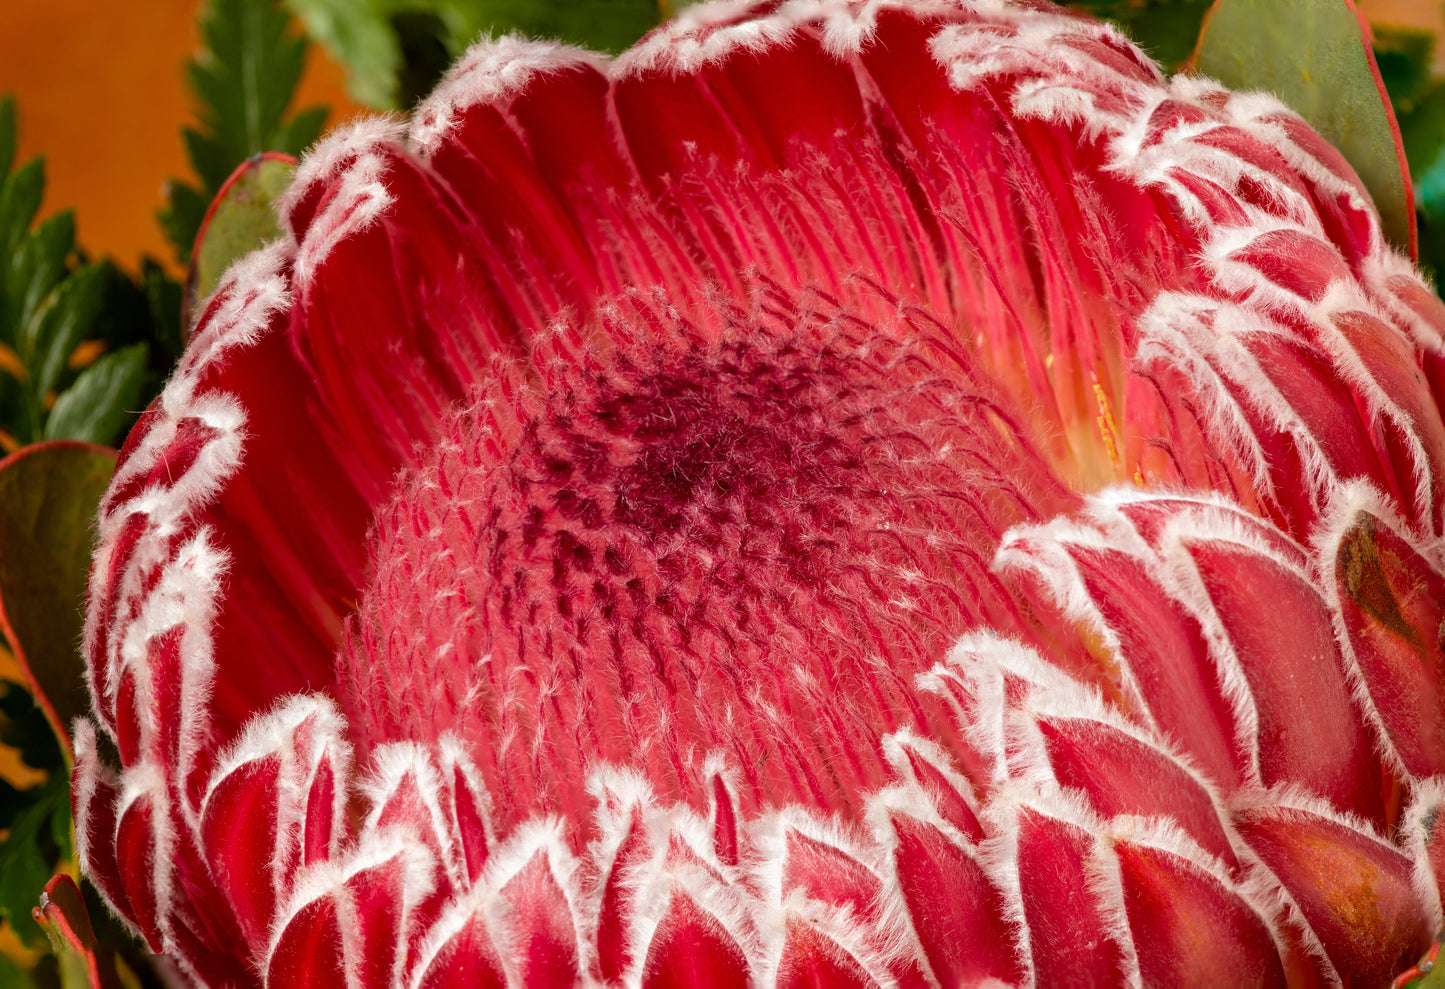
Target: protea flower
(844,494)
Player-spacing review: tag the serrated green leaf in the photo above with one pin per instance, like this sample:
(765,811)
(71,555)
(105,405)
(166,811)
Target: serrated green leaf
(51,299)
(1312,55)
(357,35)
(29,278)
(247,72)
(30,853)
(104,398)
(244,80)
(19,202)
(7,133)
(64,320)
(141,310)
(48,497)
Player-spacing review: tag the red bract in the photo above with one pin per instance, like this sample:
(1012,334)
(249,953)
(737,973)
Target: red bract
(844,494)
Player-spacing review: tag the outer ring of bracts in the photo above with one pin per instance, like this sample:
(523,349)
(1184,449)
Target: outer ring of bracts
(935,884)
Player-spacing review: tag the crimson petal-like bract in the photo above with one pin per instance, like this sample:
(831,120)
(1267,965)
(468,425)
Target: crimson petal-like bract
(850,494)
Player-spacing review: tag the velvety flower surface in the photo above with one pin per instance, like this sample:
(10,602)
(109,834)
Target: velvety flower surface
(845,494)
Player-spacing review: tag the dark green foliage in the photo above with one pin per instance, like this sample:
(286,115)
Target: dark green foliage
(24,728)
(37,819)
(101,401)
(607,25)
(144,310)
(1166,29)
(396,50)
(39,839)
(1404,59)
(244,81)
(181,217)
(52,300)
(424,56)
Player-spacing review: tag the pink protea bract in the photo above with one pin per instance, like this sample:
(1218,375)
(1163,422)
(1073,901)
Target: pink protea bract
(858,494)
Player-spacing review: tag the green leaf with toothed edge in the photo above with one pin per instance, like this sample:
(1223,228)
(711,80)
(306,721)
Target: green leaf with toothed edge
(356,34)
(1312,55)
(244,81)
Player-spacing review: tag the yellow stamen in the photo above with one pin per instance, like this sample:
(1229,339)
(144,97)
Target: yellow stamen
(1108,426)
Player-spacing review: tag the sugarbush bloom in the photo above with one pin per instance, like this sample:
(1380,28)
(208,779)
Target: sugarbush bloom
(844,494)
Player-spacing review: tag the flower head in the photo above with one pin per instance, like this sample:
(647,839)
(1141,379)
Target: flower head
(846,493)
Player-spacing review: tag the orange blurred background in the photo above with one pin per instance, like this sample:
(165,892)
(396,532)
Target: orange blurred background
(101,93)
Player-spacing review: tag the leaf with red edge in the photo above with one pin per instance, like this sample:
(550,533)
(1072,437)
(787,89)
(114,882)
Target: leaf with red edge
(1424,974)
(64,919)
(241,218)
(1315,56)
(48,496)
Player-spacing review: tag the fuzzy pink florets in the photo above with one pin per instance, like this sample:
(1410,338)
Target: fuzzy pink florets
(670,540)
